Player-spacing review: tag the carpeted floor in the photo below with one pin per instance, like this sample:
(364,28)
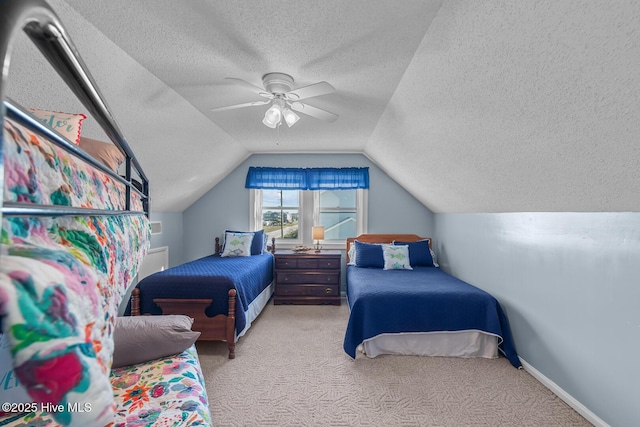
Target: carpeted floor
(290,370)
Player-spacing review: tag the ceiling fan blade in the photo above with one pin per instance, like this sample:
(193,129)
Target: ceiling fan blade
(246,104)
(316,89)
(260,91)
(315,112)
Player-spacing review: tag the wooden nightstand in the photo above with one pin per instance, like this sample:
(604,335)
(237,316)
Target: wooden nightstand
(307,278)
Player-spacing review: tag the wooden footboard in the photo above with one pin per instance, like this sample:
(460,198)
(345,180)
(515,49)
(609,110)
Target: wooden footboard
(217,328)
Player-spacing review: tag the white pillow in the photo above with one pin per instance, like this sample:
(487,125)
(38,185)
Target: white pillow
(237,244)
(433,255)
(352,253)
(396,257)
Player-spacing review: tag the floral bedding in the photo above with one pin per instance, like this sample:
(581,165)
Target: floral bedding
(63,278)
(167,392)
(38,171)
(163,392)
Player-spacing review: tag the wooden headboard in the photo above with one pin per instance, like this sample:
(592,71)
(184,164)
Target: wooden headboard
(384,238)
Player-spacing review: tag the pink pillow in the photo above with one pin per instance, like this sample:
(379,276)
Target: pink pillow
(66,124)
(106,152)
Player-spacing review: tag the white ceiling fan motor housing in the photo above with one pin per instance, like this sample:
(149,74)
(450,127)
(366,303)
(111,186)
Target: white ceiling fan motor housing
(277,83)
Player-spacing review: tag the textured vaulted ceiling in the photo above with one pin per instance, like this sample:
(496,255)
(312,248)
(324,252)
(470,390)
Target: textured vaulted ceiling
(472,106)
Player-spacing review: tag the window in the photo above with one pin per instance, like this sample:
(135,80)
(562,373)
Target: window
(336,210)
(288,215)
(287,202)
(281,213)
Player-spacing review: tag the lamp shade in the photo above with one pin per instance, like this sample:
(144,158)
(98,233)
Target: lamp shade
(318,232)
(273,116)
(290,117)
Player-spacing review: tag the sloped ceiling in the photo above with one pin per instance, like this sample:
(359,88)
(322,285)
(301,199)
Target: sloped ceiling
(472,106)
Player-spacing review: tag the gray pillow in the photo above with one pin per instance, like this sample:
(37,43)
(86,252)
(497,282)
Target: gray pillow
(138,339)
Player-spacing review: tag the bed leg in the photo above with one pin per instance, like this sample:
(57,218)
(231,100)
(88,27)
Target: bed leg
(135,302)
(231,324)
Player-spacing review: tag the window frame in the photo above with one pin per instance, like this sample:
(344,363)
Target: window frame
(308,215)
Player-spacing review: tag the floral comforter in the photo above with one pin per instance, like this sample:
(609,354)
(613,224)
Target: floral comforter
(63,278)
(165,392)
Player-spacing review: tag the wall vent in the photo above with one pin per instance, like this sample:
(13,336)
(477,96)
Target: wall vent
(156,227)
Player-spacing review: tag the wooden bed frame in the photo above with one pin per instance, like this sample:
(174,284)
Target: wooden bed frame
(384,238)
(217,328)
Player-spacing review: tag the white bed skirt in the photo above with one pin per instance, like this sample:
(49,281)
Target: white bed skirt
(452,344)
(255,307)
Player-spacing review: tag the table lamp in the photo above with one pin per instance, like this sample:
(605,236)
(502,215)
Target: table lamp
(318,234)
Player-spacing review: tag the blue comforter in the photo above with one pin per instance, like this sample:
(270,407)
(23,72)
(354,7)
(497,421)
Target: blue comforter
(210,277)
(425,299)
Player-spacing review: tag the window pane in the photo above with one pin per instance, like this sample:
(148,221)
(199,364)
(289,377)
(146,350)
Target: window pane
(281,224)
(280,198)
(338,199)
(338,225)
(337,213)
(280,213)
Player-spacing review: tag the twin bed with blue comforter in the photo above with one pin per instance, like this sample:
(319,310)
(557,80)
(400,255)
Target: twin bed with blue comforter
(223,294)
(418,309)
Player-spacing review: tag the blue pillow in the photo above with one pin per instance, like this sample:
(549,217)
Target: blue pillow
(369,255)
(258,242)
(419,253)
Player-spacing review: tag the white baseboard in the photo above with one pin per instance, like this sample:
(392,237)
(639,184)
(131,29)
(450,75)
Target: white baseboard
(566,397)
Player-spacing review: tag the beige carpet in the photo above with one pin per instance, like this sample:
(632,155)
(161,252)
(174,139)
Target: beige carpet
(290,370)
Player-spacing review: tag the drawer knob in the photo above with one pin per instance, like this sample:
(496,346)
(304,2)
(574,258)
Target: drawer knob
(328,290)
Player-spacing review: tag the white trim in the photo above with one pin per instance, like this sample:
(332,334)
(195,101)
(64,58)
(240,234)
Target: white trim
(255,206)
(362,215)
(566,397)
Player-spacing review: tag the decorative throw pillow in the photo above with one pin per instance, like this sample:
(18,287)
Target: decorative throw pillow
(138,339)
(237,244)
(352,254)
(369,255)
(104,152)
(396,257)
(259,242)
(419,253)
(66,124)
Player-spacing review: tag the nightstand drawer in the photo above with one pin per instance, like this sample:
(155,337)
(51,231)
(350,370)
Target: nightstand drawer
(307,263)
(286,263)
(307,290)
(303,278)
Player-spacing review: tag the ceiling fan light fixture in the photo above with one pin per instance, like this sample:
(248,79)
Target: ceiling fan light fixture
(273,116)
(290,117)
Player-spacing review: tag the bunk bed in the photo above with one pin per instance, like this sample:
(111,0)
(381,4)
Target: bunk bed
(74,233)
(411,307)
(222,294)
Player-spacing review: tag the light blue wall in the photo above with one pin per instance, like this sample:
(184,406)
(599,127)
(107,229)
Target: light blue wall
(570,284)
(391,208)
(172,235)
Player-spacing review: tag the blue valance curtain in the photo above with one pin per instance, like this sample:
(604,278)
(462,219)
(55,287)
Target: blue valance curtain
(307,178)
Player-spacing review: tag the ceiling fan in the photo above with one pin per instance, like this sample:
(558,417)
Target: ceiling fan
(283,100)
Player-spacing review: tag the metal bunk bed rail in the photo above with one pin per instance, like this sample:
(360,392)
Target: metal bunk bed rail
(45,30)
